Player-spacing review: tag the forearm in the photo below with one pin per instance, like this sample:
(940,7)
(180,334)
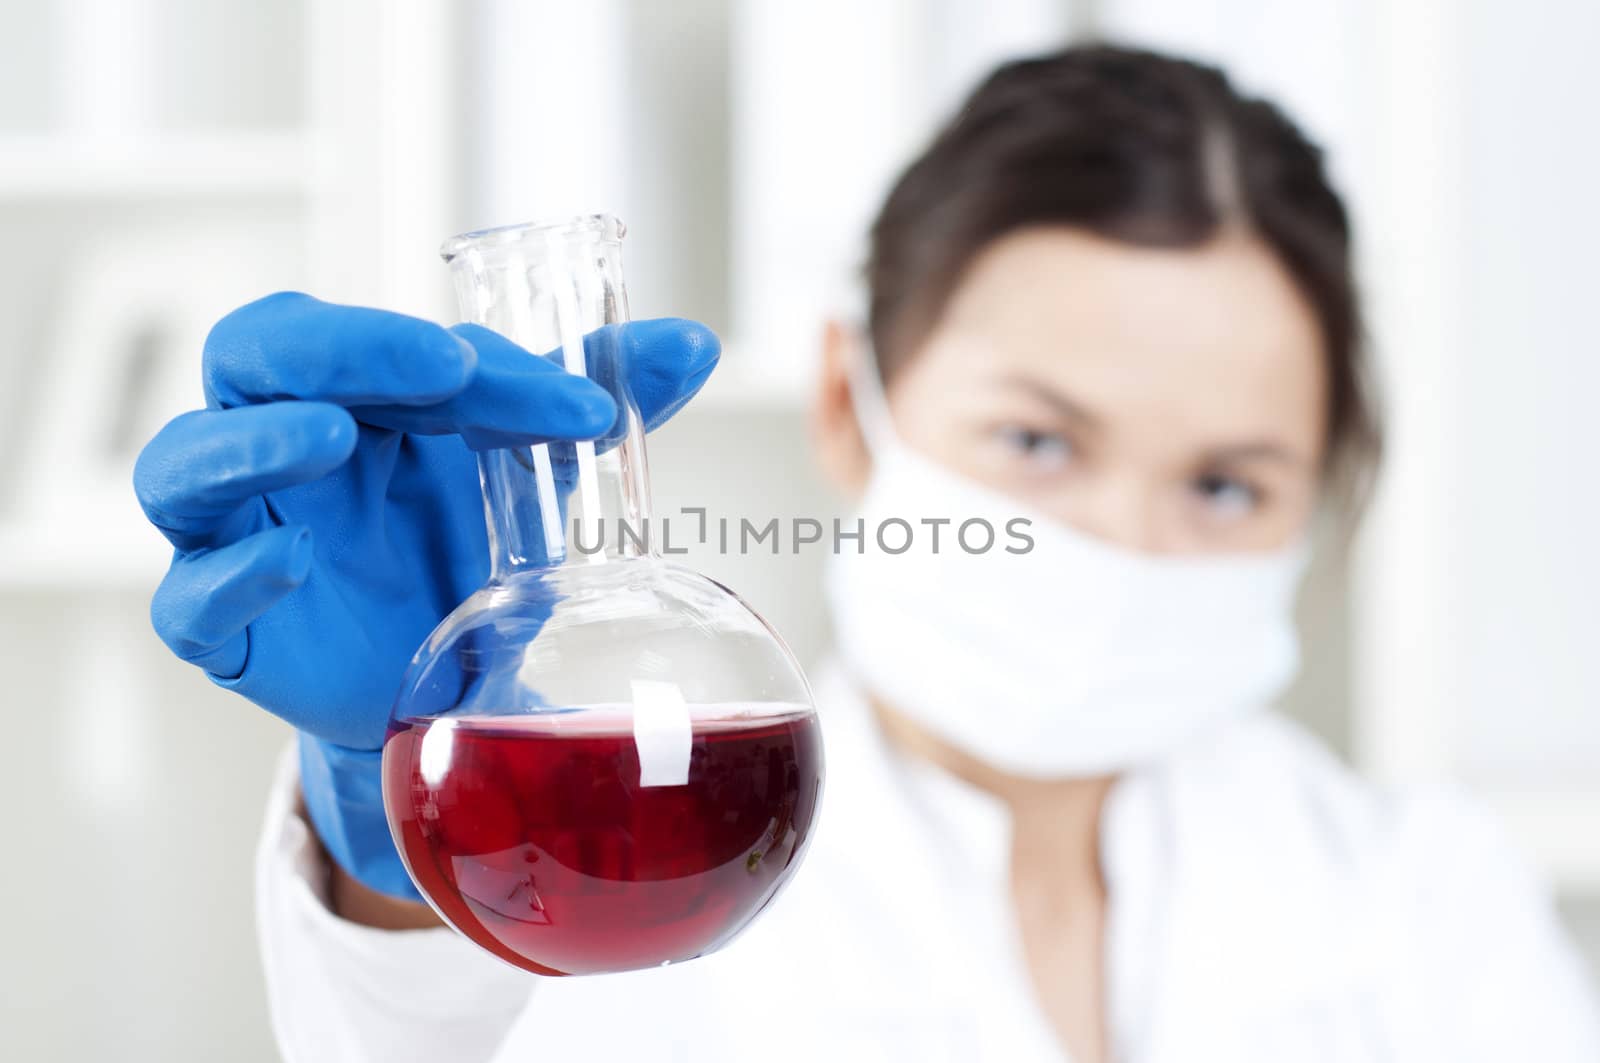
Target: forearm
(350,900)
(347,981)
(355,903)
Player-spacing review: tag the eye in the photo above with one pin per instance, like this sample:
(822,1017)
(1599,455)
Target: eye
(1226,496)
(1043,450)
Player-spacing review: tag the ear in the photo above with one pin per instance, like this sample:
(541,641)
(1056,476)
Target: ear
(836,434)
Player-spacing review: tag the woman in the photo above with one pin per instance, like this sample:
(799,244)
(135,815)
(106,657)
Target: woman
(1113,296)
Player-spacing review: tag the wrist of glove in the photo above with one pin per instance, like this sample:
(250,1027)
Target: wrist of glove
(343,791)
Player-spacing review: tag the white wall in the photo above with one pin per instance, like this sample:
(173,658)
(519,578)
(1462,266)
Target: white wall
(133,794)
(1524,488)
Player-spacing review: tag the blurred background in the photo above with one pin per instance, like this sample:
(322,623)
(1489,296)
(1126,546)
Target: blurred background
(163,160)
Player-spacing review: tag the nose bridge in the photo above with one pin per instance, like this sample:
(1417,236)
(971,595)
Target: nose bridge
(1121,507)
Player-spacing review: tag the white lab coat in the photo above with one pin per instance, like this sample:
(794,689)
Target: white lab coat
(1264,905)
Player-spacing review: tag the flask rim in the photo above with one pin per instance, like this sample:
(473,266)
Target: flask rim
(603,227)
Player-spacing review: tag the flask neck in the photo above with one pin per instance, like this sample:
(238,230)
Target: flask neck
(569,504)
(556,289)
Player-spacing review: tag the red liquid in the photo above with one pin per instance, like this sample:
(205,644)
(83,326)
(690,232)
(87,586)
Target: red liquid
(534,838)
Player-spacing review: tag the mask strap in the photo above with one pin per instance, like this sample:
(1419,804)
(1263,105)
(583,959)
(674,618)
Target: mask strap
(865,381)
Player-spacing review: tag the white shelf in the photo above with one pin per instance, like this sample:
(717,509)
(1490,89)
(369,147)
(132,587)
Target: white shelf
(61,167)
(81,556)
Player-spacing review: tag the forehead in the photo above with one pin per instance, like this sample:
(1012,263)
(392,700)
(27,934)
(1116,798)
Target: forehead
(1216,337)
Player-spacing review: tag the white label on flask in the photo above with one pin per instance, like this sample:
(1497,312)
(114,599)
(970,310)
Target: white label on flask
(662,732)
(437,745)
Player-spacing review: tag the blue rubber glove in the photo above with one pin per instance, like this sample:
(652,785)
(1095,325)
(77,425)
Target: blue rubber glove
(326,514)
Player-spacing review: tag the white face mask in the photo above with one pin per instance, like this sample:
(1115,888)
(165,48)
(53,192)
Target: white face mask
(1074,658)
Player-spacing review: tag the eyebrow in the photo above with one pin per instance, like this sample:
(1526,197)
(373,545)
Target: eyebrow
(1229,453)
(1064,404)
(1263,450)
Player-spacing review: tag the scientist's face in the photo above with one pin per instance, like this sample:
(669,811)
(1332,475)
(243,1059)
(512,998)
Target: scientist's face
(1169,400)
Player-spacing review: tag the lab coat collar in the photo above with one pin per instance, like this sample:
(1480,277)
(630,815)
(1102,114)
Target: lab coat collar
(1201,874)
(973,829)
(972,822)
(976,821)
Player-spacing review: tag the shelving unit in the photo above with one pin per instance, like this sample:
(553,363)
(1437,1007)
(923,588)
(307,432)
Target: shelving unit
(323,135)
(62,167)
(363,178)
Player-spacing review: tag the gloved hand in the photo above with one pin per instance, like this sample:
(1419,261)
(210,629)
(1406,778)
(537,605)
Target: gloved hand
(326,514)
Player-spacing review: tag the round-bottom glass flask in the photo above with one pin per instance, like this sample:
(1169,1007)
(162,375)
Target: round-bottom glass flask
(599,761)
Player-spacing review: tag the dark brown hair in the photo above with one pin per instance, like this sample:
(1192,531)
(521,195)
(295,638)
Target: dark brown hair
(1137,147)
